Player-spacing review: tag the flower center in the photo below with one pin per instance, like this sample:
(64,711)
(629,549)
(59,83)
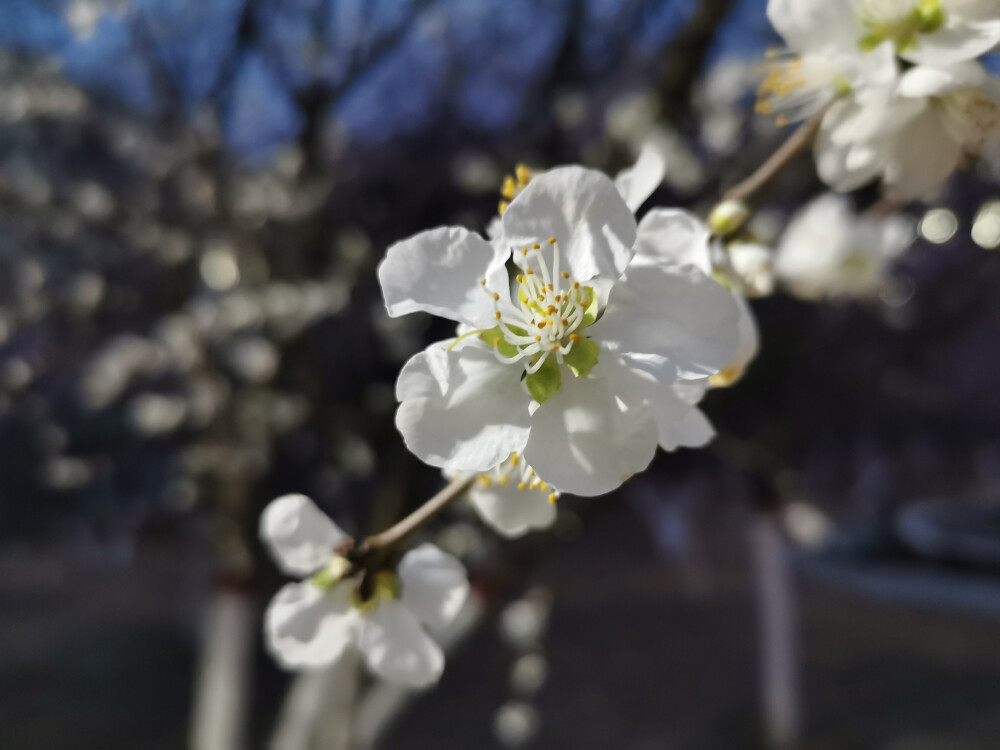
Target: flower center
(515,471)
(541,328)
(900,21)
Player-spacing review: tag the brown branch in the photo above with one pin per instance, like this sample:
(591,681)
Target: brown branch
(799,141)
(402,529)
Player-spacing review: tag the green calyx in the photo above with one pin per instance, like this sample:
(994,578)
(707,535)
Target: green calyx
(546,381)
(383,586)
(332,574)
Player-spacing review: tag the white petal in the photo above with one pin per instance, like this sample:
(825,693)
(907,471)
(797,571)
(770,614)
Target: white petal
(670,235)
(461,409)
(958,40)
(673,322)
(434,585)
(583,210)
(814,25)
(396,647)
(837,163)
(924,80)
(438,271)
(584,441)
(922,158)
(306,628)
(512,512)
(299,535)
(637,183)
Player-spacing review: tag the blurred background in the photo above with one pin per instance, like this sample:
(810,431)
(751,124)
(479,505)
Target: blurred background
(194,195)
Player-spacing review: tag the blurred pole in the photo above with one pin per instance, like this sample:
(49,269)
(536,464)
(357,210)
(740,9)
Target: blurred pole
(223,683)
(318,710)
(777,632)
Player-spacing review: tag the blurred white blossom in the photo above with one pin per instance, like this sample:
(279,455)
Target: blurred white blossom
(830,251)
(309,625)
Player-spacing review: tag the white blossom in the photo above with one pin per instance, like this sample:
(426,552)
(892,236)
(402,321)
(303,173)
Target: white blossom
(309,624)
(573,369)
(829,251)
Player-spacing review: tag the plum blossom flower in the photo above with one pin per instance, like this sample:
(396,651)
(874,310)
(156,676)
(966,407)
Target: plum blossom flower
(914,135)
(571,366)
(829,251)
(931,32)
(309,624)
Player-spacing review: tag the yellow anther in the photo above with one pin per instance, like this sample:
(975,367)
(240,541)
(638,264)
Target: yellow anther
(509,188)
(538,338)
(781,121)
(574,337)
(543,486)
(523,174)
(555,347)
(514,459)
(552,497)
(528,270)
(525,252)
(536,246)
(576,284)
(565,274)
(565,321)
(522,486)
(550,288)
(558,298)
(541,325)
(531,472)
(551,309)
(495,296)
(504,480)
(502,207)
(497,315)
(496,341)
(552,240)
(486,481)
(482,282)
(520,279)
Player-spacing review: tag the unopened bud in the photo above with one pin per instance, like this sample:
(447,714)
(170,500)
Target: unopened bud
(727,217)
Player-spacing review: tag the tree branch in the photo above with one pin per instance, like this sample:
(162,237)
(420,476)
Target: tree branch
(800,140)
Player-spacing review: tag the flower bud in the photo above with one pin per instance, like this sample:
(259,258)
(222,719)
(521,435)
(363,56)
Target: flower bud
(727,217)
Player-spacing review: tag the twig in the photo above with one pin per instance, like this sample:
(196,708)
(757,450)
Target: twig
(799,141)
(414,521)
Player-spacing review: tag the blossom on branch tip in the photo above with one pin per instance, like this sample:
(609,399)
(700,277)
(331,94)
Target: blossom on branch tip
(571,364)
(829,251)
(310,624)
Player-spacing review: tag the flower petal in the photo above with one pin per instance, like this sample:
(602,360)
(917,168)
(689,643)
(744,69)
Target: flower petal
(921,158)
(925,80)
(306,628)
(673,322)
(585,441)
(670,235)
(960,39)
(396,647)
(300,537)
(434,585)
(512,512)
(814,25)
(461,409)
(583,210)
(438,271)
(637,183)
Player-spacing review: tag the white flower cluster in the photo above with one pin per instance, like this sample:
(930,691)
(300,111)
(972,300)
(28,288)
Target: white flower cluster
(907,100)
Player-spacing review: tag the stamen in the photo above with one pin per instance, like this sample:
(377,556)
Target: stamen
(565,274)
(536,246)
(552,240)
(495,296)
(552,497)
